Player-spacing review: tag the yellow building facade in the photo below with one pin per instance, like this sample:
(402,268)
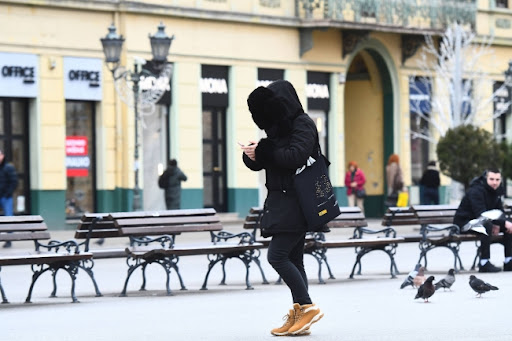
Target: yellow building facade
(71,134)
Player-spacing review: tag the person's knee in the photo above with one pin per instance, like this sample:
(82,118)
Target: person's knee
(274,259)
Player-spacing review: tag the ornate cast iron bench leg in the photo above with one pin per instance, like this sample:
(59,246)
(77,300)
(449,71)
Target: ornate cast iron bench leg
(4,298)
(214,259)
(223,281)
(256,259)
(172,261)
(131,269)
(88,269)
(71,269)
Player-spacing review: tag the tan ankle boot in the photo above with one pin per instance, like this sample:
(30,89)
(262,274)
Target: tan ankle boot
(305,316)
(289,321)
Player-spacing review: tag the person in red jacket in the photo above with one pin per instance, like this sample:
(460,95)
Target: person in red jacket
(354,181)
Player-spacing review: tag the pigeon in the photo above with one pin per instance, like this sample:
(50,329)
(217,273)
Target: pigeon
(426,290)
(410,277)
(419,278)
(447,281)
(480,286)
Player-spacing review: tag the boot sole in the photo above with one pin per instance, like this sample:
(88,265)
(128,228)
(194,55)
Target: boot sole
(303,333)
(308,325)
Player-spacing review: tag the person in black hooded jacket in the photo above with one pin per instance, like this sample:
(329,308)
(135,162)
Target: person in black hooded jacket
(8,184)
(291,139)
(485,194)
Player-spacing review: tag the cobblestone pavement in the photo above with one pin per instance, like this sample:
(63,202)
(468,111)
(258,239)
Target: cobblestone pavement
(369,307)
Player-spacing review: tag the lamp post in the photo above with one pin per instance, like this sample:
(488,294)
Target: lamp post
(508,75)
(112,45)
(508,85)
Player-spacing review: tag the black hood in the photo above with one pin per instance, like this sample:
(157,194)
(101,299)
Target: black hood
(482,181)
(275,107)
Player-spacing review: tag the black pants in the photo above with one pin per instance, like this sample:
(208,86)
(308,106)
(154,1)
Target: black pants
(430,196)
(485,242)
(286,255)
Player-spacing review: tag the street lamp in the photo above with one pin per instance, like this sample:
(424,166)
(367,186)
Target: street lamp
(508,74)
(112,45)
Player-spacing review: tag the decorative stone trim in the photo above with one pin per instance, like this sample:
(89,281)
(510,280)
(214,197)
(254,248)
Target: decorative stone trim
(502,23)
(410,44)
(270,3)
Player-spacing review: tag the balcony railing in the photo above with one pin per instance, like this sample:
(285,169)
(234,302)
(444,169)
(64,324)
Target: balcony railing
(389,14)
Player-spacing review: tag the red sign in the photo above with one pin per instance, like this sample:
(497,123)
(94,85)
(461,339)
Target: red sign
(77,158)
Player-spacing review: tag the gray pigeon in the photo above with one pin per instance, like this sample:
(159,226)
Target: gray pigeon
(419,278)
(426,290)
(447,281)
(410,277)
(480,286)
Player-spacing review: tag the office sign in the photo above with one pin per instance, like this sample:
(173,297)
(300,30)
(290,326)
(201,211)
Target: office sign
(83,79)
(19,75)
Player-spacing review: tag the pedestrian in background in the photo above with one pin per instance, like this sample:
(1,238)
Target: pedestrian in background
(354,181)
(291,139)
(8,184)
(170,181)
(430,182)
(395,180)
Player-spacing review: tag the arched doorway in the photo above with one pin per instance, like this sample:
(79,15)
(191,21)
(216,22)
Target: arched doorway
(369,122)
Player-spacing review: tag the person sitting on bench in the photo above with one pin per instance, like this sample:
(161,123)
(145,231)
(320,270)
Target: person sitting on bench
(485,194)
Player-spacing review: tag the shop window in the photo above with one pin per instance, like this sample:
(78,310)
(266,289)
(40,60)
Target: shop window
(320,119)
(14,144)
(80,158)
(420,108)
(502,3)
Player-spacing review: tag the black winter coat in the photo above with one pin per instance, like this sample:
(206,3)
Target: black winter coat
(479,198)
(170,181)
(8,179)
(291,138)
(430,178)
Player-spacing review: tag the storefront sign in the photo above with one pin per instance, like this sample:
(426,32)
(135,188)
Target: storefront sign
(77,158)
(267,76)
(214,85)
(162,83)
(19,75)
(317,91)
(83,79)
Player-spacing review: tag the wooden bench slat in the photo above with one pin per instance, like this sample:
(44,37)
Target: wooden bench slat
(192,249)
(419,208)
(18,236)
(169,213)
(250,224)
(161,230)
(160,221)
(361,242)
(46,257)
(88,217)
(108,253)
(347,223)
(20,219)
(25,227)
(84,226)
(97,234)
